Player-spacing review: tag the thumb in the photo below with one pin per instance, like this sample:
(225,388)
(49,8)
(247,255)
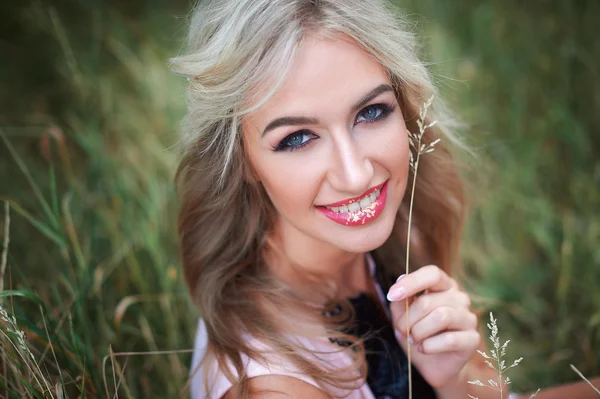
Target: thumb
(401,326)
(398,310)
(397,307)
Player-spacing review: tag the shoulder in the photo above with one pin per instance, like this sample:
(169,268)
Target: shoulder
(279,386)
(209,380)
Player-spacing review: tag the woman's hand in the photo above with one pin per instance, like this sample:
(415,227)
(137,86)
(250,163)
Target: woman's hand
(443,330)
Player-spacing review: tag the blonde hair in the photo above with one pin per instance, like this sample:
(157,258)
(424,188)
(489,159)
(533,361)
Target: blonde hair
(235,47)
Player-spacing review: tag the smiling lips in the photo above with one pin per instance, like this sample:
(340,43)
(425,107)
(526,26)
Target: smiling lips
(359,210)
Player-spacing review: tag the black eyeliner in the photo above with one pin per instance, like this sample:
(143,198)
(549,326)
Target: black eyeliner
(386,109)
(282,144)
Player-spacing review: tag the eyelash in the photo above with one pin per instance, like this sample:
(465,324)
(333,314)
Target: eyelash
(284,144)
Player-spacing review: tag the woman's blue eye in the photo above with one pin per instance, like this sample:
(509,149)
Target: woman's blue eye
(299,139)
(373,112)
(295,140)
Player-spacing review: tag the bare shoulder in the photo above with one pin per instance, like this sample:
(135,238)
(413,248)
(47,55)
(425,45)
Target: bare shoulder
(279,386)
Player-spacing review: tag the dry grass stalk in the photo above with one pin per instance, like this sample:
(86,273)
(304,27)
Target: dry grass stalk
(4,257)
(495,362)
(10,331)
(415,140)
(16,338)
(585,379)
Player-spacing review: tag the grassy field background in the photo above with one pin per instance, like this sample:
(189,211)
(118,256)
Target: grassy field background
(88,117)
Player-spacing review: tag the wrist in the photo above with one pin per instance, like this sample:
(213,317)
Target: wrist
(457,388)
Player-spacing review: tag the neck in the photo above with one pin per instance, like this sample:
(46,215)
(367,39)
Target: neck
(296,250)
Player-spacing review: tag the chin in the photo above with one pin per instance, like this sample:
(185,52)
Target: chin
(365,238)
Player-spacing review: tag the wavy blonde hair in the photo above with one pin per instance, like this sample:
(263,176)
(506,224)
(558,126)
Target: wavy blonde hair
(235,47)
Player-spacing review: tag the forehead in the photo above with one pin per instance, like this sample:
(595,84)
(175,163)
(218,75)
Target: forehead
(327,74)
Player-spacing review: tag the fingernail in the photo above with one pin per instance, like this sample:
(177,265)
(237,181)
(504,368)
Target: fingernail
(396,293)
(420,348)
(411,340)
(399,335)
(399,277)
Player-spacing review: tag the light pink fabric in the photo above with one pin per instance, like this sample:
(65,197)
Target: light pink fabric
(218,384)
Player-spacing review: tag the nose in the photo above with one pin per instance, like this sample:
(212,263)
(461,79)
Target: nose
(350,171)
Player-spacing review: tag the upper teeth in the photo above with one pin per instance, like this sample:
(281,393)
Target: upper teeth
(362,203)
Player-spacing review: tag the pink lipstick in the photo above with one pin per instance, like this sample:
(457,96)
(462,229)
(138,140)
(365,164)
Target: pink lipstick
(357,211)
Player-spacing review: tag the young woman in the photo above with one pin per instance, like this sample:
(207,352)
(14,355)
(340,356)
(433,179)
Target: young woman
(294,188)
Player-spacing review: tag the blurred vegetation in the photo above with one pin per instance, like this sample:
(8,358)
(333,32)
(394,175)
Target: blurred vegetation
(87,126)
(89,114)
(524,75)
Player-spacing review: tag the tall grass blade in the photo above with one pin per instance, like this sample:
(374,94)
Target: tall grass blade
(40,226)
(52,218)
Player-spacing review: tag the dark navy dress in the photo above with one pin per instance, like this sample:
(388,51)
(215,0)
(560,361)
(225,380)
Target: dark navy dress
(387,374)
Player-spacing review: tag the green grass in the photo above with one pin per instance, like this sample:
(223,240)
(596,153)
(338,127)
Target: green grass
(93,212)
(524,76)
(87,130)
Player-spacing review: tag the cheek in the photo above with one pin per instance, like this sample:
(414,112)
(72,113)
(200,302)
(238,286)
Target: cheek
(290,188)
(404,151)
(395,149)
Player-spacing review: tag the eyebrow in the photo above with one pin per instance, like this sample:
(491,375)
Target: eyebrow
(301,120)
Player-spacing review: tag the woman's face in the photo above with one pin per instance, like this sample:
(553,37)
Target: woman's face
(330,148)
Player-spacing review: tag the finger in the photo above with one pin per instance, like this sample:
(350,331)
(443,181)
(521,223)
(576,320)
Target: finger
(425,304)
(443,319)
(398,308)
(451,341)
(430,278)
